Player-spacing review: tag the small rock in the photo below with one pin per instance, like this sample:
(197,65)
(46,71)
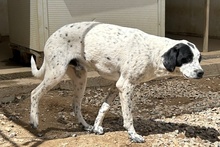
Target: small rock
(18,97)
(3,123)
(13,134)
(8,129)
(72,113)
(40,134)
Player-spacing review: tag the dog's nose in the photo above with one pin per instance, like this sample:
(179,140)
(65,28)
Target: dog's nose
(199,73)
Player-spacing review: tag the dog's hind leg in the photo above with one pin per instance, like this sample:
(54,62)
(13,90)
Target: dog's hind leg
(78,76)
(51,78)
(98,129)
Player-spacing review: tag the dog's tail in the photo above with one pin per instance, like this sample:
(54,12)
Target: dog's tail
(37,73)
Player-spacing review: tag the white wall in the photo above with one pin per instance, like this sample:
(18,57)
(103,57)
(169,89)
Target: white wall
(4,18)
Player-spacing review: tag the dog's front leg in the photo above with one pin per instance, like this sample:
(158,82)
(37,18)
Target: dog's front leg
(125,93)
(98,129)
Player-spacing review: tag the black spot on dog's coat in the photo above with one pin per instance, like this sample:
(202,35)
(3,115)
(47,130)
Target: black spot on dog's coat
(108,58)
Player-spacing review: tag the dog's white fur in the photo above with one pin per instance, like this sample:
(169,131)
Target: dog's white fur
(126,55)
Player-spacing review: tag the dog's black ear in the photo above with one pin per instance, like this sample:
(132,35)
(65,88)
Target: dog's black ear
(177,56)
(170,57)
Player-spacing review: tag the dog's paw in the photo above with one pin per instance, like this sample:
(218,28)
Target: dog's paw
(33,125)
(136,138)
(89,128)
(98,130)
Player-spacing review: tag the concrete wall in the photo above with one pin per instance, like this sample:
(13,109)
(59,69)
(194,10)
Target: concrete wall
(187,17)
(4,18)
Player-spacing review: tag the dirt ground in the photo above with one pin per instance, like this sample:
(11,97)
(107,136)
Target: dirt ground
(58,126)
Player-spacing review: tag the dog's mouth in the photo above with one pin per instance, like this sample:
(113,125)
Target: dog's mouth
(185,76)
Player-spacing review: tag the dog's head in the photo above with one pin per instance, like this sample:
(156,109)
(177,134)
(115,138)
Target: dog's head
(185,56)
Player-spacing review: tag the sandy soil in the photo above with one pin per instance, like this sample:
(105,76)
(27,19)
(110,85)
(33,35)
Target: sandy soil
(154,106)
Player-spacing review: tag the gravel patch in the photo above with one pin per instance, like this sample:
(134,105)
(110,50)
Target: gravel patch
(162,98)
(195,129)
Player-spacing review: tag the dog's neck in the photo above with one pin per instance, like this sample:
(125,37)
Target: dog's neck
(160,48)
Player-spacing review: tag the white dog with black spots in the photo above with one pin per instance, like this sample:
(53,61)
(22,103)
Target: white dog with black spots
(126,55)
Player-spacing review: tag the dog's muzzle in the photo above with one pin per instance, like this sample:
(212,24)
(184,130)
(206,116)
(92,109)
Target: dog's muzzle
(199,73)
